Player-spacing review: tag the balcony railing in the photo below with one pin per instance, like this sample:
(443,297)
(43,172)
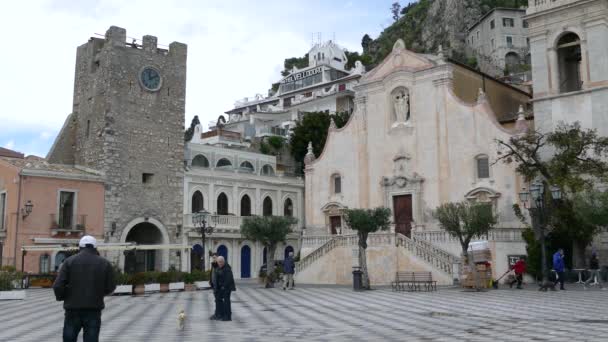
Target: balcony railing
(218,221)
(75,223)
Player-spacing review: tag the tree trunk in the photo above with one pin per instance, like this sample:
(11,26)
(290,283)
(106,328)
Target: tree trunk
(578,254)
(270,266)
(363,265)
(471,263)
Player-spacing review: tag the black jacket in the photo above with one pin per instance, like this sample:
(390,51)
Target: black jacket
(594,264)
(83,280)
(223,280)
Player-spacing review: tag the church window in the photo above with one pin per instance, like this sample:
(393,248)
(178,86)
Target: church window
(222,204)
(336,183)
(569,63)
(267,207)
(245,206)
(200,161)
(483,167)
(197,202)
(288,208)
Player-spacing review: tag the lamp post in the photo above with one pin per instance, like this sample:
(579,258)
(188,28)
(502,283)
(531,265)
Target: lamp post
(199,220)
(535,201)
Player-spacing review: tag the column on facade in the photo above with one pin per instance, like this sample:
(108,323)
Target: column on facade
(235,201)
(279,203)
(257,210)
(552,71)
(585,77)
(299,214)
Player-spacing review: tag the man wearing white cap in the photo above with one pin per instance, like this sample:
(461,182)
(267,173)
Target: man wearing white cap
(83,280)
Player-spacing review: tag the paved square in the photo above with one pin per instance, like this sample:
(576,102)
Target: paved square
(329,314)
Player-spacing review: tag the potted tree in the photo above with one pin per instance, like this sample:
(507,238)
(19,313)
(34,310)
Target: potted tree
(138,280)
(9,280)
(189,282)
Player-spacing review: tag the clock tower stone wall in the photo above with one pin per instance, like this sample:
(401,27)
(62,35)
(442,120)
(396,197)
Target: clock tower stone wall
(131,133)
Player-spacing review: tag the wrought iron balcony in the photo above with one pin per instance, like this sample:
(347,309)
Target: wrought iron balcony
(68,224)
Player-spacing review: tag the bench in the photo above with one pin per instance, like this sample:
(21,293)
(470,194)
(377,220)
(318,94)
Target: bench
(414,281)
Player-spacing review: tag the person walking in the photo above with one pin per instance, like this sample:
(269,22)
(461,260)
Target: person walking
(594,271)
(289,268)
(520,269)
(223,285)
(83,280)
(559,267)
(216,313)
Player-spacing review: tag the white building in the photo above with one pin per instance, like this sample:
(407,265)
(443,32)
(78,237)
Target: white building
(324,85)
(416,139)
(232,184)
(499,40)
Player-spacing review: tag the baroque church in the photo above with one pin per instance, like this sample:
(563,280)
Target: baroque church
(423,133)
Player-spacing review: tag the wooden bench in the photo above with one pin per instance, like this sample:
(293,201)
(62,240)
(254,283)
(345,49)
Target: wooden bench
(414,281)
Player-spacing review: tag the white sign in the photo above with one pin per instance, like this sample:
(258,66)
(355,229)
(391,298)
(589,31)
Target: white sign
(301,75)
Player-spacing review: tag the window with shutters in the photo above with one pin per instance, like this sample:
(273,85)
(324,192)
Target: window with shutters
(483,167)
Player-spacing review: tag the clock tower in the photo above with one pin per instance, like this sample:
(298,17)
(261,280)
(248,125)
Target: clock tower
(127,121)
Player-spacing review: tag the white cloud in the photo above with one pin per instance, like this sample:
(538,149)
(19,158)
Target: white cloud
(9,144)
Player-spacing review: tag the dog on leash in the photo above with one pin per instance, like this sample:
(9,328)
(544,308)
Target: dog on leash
(181,320)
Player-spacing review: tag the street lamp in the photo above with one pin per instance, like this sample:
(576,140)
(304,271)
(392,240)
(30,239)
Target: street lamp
(200,221)
(28,209)
(534,201)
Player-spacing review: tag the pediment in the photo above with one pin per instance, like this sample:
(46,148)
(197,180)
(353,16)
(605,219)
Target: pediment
(399,59)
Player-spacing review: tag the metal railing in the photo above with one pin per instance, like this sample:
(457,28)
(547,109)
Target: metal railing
(77,222)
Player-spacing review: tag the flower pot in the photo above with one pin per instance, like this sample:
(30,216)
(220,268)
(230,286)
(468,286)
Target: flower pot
(123,289)
(202,285)
(190,287)
(177,286)
(164,287)
(139,289)
(12,295)
(152,288)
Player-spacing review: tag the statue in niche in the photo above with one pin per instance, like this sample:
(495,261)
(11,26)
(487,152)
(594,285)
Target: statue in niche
(401,103)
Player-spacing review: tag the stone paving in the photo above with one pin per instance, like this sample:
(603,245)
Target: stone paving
(329,314)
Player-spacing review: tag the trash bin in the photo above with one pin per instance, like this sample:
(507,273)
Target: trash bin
(357,279)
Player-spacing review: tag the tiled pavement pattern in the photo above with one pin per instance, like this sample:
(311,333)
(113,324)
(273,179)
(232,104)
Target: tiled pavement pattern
(329,314)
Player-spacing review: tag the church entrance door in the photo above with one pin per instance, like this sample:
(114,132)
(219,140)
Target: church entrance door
(402,209)
(335,222)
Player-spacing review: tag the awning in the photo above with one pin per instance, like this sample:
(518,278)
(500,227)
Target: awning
(104,247)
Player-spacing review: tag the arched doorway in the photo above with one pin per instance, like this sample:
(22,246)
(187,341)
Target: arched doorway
(144,233)
(196,255)
(198,203)
(245,206)
(222,204)
(245,262)
(288,250)
(223,251)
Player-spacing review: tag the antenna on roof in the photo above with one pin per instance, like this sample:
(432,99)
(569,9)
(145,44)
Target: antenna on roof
(319,38)
(312,40)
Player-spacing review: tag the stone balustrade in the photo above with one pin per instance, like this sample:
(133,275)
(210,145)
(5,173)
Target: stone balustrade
(219,221)
(535,6)
(498,234)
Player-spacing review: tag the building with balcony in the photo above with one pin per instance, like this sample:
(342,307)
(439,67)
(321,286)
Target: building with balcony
(44,204)
(324,85)
(233,184)
(499,41)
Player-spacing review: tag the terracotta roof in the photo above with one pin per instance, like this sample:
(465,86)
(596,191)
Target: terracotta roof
(37,166)
(5,152)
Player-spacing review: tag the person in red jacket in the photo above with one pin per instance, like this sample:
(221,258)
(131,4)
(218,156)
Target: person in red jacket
(520,269)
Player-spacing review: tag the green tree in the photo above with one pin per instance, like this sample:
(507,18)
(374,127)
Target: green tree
(466,221)
(313,127)
(366,221)
(395,10)
(269,231)
(190,131)
(365,43)
(570,158)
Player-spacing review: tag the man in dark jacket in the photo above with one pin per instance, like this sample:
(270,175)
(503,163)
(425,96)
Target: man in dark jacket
(223,285)
(594,271)
(216,314)
(289,268)
(559,266)
(84,279)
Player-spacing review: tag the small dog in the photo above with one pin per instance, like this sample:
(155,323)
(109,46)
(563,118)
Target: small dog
(181,320)
(549,285)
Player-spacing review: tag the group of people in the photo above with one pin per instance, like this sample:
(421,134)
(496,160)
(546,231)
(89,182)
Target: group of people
(559,267)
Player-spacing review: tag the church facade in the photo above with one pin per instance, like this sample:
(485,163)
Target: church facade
(418,137)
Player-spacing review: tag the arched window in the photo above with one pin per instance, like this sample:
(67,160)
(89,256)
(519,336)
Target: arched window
(483,166)
(198,203)
(511,60)
(569,63)
(267,207)
(288,208)
(267,170)
(336,183)
(45,263)
(245,206)
(222,204)
(224,163)
(247,167)
(200,161)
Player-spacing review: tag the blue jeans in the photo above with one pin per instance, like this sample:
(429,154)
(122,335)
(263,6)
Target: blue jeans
(88,320)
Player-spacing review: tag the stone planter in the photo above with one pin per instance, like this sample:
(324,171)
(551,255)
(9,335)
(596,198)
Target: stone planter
(202,285)
(139,290)
(177,286)
(164,287)
(123,290)
(190,287)
(12,295)
(152,288)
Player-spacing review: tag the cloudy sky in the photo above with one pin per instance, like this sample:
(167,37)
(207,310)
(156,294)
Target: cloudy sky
(235,49)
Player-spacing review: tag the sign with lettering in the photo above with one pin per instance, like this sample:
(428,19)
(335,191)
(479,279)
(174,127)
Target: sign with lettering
(302,74)
(513,259)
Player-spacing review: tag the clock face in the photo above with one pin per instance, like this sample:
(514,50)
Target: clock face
(150,78)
